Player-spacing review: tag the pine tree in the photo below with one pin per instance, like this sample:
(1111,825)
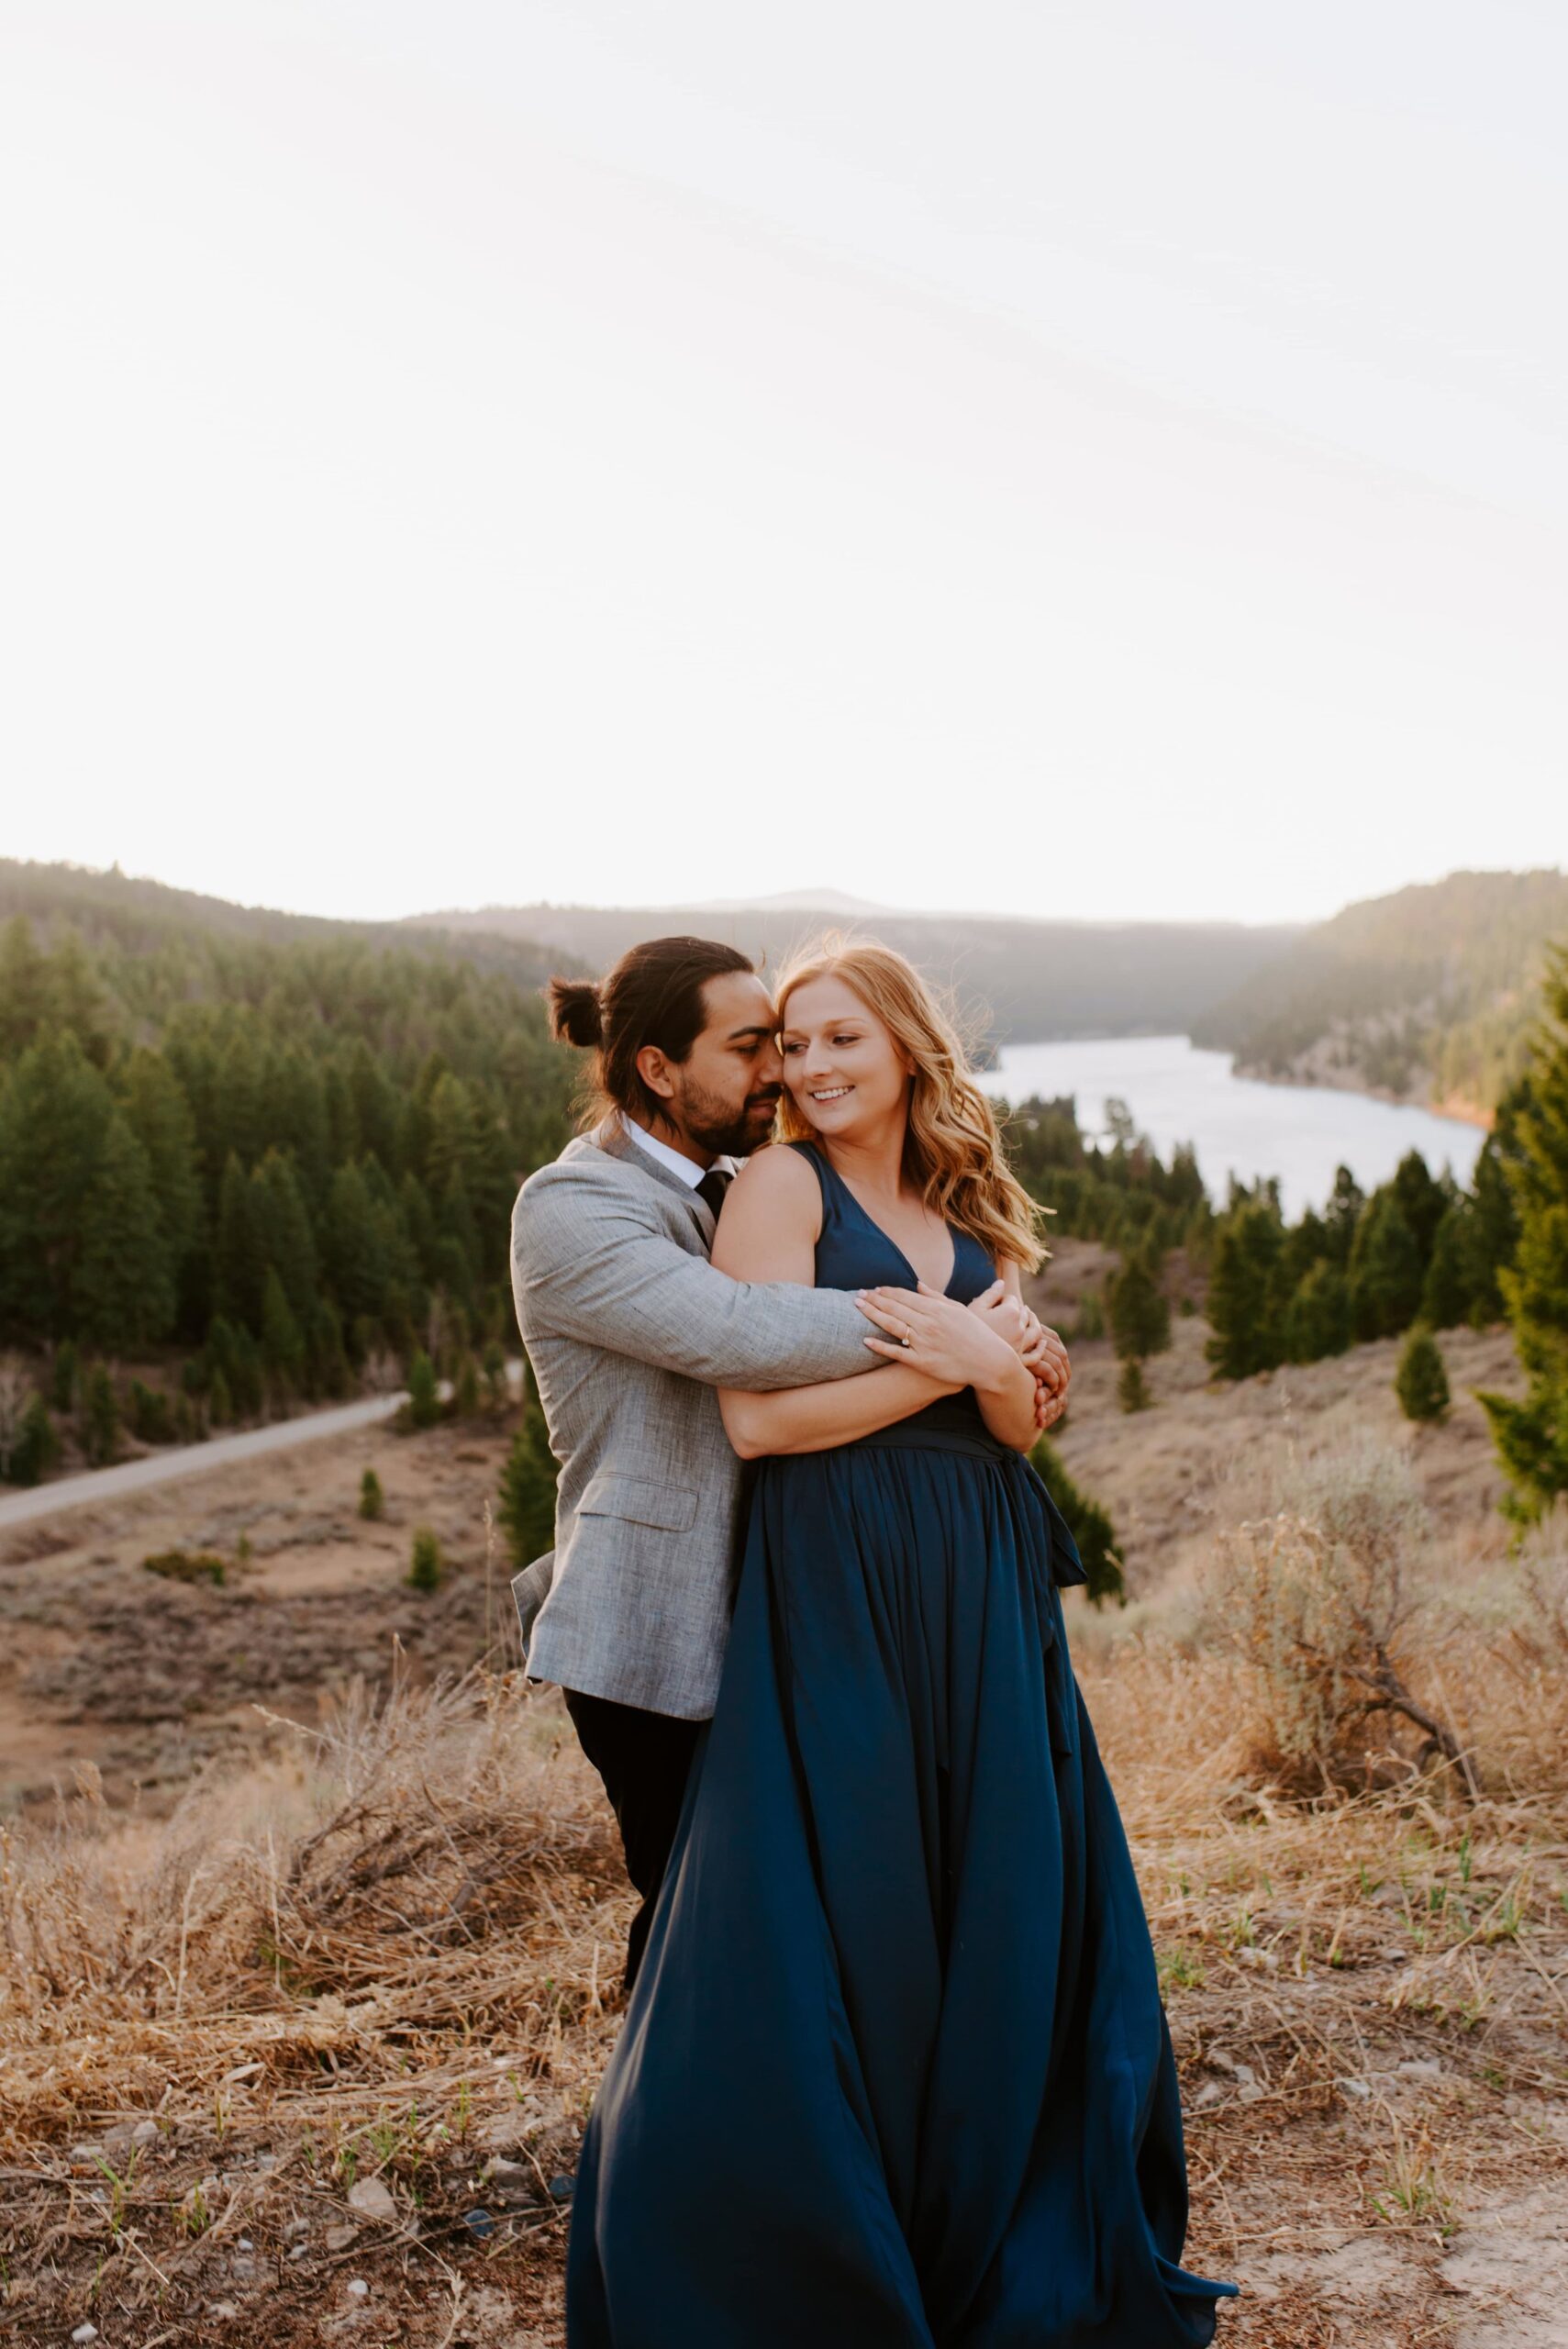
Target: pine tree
(1243,1301)
(372,1500)
(1093,1535)
(1342,1214)
(494,1364)
(1531,1436)
(1131,1387)
(1386,1270)
(39,1447)
(1445,1292)
(160,1117)
(424,1400)
(240,1254)
(466,1388)
(65,1373)
(329,1360)
(100,1418)
(1318,1319)
(55,1114)
(355,1272)
(122,1291)
(1140,1315)
(282,1224)
(1421,1381)
(1422,1200)
(283,1348)
(527,1503)
(424,1562)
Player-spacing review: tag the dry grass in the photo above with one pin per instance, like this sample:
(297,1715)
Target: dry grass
(384,1953)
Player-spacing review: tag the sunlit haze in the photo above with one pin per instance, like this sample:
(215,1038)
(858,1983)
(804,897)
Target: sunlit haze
(1099,460)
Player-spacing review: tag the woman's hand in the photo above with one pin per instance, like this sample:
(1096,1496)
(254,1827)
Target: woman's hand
(946,1341)
(1039,1348)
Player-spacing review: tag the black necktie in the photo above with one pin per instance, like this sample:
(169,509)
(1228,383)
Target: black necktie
(713,1186)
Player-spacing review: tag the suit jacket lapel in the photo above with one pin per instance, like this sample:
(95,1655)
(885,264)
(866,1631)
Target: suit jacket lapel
(612,1137)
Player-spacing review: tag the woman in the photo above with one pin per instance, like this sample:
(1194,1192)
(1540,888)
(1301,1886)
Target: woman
(896,2075)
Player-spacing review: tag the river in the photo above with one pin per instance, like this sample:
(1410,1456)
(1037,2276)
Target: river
(1177,1092)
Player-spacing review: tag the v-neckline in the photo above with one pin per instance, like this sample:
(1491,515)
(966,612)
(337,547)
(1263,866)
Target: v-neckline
(867,1217)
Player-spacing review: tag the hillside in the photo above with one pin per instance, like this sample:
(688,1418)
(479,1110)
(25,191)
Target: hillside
(1427,996)
(1019,980)
(115,913)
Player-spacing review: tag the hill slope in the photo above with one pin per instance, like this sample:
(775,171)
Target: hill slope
(1428,994)
(1019,980)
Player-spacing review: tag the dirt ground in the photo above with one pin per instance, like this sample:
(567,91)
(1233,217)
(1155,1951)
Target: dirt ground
(1374,2062)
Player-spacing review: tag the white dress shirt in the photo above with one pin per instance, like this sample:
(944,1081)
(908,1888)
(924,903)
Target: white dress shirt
(690,1173)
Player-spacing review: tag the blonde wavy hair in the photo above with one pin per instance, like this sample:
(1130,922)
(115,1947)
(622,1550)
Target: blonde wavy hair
(954,1149)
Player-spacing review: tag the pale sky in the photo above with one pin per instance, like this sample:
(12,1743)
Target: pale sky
(1104,459)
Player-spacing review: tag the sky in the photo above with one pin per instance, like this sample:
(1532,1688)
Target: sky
(1099,460)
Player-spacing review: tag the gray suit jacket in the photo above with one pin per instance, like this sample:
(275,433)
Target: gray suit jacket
(629,1329)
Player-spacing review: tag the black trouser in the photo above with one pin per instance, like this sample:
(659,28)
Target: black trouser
(644,1759)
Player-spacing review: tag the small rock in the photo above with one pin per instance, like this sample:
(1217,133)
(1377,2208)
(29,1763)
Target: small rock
(501,2172)
(224,2308)
(1250,2093)
(1267,1959)
(339,2238)
(479,2222)
(86,2332)
(297,2226)
(359,2289)
(1359,2089)
(266,2161)
(1423,2067)
(246,2244)
(561,2187)
(300,2251)
(1210,2093)
(372,2198)
(145,2134)
(84,2156)
(119,2139)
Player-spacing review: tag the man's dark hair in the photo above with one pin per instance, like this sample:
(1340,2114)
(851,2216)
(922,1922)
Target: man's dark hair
(653,995)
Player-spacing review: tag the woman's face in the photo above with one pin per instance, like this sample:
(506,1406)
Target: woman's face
(841,1066)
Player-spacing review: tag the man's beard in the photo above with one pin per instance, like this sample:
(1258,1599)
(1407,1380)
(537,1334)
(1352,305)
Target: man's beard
(731,1133)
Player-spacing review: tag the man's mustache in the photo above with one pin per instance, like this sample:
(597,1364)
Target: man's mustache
(768,1098)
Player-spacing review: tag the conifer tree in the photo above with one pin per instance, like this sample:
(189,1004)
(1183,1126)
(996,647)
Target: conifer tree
(160,1117)
(283,1228)
(1131,1387)
(1243,1292)
(373,1499)
(1140,1315)
(423,1399)
(1093,1535)
(55,1113)
(1318,1319)
(1422,1200)
(1531,1436)
(424,1562)
(527,1505)
(122,1293)
(1386,1271)
(240,1254)
(1445,1292)
(1421,1381)
(283,1348)
(355,1272)
(1342,1214)
(100,1418)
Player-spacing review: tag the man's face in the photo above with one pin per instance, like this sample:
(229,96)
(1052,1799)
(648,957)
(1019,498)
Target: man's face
(724,1094)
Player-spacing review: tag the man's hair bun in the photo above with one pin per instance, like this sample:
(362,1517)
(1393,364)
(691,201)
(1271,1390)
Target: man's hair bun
(576,1015)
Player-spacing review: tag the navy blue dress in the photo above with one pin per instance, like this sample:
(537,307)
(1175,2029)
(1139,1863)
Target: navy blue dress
(896,2073)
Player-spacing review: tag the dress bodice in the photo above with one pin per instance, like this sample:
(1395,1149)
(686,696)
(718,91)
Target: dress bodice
(854,1251)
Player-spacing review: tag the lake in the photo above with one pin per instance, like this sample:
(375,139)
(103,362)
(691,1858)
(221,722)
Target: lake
(1178,1093)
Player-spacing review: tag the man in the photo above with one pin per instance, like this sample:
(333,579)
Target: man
(629,1329)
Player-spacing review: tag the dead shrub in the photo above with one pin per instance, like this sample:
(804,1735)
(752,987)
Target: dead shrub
(1317,1601)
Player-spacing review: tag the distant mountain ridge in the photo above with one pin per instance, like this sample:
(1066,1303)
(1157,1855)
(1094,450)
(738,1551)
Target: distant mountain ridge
(1427,996)
(1014,980)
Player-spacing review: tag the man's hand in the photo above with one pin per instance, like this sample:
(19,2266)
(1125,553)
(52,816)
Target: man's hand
(1039,1348)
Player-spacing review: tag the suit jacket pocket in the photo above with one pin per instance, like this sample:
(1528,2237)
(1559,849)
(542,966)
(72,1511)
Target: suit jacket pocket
(672,1508)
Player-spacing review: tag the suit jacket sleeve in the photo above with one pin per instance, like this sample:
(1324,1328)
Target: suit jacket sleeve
(591,1262)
